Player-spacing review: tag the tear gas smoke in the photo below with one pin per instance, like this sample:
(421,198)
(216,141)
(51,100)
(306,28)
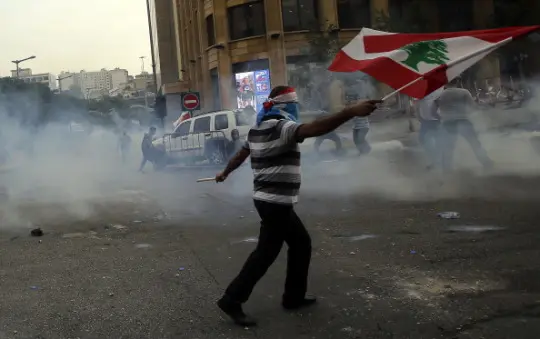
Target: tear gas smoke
(61,174)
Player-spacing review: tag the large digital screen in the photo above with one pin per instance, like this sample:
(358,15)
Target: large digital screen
(252,88)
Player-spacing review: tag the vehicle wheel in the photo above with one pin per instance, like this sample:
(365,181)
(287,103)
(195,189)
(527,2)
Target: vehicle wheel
(160,164)
(216,156)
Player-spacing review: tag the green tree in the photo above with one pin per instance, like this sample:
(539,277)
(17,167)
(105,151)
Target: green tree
(432,52)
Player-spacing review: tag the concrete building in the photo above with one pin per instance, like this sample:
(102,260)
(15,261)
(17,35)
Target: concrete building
(143,81)
(118,78)
(164,24)
(68,81)
(27,76)
(97,82)
(220,45)
(23,72)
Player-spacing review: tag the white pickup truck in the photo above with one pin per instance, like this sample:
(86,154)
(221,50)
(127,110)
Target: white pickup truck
(209,138)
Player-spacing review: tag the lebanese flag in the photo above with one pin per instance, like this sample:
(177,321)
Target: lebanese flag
(418,64)
(183,116)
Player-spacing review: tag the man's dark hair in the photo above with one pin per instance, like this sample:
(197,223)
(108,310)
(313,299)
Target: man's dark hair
(276,91)
(152,128)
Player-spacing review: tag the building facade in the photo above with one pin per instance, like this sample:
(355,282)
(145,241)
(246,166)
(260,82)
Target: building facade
(234,51)
(27,76)
(166,55)
(94,84)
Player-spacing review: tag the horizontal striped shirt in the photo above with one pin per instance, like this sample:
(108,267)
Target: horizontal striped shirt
(275,161)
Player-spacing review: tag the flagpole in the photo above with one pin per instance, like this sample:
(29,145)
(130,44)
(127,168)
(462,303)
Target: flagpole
(450,64)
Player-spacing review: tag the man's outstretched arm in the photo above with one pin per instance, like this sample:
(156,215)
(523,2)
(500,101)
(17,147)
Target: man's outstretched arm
(236,161)
(329,123)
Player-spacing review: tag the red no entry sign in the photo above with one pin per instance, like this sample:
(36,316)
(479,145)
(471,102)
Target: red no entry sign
(191,101)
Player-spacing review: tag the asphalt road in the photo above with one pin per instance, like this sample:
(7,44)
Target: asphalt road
(150,258)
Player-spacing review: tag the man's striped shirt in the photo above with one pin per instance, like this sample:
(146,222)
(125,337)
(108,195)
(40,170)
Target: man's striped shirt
(275,160)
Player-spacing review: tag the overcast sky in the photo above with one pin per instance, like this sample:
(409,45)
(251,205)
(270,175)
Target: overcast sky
(71,35)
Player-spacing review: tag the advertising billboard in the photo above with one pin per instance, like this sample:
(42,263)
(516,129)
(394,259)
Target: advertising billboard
(252,88)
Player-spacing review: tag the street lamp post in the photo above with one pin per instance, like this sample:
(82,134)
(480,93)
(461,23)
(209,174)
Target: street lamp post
(17,62)
(59,79)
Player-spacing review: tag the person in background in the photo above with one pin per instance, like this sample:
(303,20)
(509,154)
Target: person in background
(124,144)
(360,132)
(275,159)
(147,148)
(428,136)
(455,105)
(250,113)
(332,136)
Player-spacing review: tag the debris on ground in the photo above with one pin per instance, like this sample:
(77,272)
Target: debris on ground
(143,246)
(36,232)
(449,215)
(119,227)
(475,229)
(247,240)
(357,237)
(181,269)
(91,235)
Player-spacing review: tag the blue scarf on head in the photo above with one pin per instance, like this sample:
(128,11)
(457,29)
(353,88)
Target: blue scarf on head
(288,111)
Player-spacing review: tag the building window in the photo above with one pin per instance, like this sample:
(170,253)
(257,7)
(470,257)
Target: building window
(299,15)
(246,20)
(354,13)
(210,33)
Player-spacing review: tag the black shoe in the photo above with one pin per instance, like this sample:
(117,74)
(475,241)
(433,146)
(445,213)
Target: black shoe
(298,304)
(234,311)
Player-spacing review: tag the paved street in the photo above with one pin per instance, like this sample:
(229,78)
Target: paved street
(150,258)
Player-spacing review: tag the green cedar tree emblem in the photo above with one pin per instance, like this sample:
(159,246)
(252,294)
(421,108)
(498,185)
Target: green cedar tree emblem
(431,52)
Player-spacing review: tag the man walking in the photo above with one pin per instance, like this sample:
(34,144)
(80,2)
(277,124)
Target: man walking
(360,131)
(428,136)
(455,105)
(275,159)
(147,148)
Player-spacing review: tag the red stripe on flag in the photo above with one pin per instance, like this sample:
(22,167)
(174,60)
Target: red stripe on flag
(386,43)
(392,73)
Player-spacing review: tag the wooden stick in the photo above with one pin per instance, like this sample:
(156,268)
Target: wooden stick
(206,179)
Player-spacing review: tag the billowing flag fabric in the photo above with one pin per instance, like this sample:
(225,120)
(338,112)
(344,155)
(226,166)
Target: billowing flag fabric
(398,59)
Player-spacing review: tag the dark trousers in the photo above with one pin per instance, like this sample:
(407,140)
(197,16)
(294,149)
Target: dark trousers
(428,136)
(279,224)
(147,156)
(359,138)
(463,127)
(333,136)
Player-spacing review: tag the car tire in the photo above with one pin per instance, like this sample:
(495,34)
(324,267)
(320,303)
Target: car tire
(216,156)
(160,163)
